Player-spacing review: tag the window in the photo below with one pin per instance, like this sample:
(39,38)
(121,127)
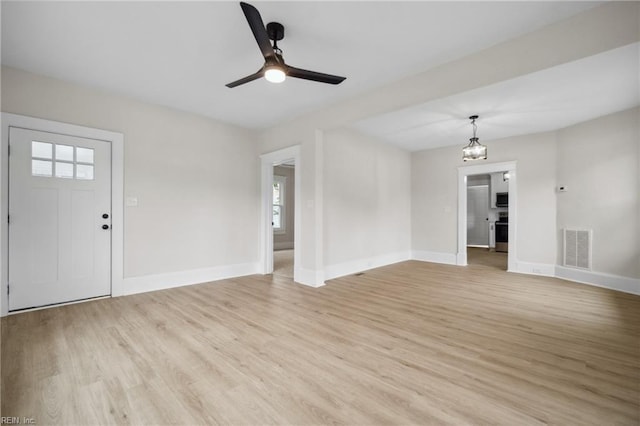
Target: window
(279,188)
(41,159)
(61,161)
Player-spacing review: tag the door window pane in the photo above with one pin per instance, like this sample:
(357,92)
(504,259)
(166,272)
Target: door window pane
(84,171)
(41,150)
(64,170)
(64,153)
(41,168)
(84,155)
(69,159)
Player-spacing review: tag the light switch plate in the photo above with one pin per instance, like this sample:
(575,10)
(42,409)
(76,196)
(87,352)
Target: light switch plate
(131,202)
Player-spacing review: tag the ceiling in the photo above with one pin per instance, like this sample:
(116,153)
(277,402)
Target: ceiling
(546,100)
(181,55)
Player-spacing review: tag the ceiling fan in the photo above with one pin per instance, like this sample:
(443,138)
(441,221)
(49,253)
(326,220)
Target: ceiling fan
(274,69)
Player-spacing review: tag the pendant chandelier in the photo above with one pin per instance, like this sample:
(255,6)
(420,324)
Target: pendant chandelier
(475,150)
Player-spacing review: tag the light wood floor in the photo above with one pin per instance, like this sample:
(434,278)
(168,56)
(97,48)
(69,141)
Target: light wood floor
(283,263)
(412,343)
(477,256)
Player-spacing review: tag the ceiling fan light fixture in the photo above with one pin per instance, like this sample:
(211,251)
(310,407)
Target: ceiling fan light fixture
(275,70)
(475,150)
(275,74)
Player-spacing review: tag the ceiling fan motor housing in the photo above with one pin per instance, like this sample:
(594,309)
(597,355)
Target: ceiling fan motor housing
(275,30)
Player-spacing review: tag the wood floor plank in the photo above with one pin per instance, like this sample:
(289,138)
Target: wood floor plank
(411,343)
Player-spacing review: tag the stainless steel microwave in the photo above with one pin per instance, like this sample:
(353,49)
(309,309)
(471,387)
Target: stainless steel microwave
(502,199)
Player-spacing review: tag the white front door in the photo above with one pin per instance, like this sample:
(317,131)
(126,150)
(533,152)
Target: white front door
(59,218)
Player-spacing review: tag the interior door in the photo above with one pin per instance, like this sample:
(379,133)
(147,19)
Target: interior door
(59,218)
(478,215)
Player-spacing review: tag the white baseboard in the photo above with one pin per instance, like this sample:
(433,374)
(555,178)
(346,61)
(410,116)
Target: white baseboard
(359,265)
(434,257)
(309,277)
(287,245)
(134,285)
(613,282)
(598,279)
(544,269)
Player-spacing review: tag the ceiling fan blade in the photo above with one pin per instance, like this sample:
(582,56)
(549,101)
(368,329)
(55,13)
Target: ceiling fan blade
(246,79)
(259,31)
(314,76)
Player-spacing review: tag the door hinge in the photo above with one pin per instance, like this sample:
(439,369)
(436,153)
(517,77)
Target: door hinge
(8,218)
(9,149)
(8,289)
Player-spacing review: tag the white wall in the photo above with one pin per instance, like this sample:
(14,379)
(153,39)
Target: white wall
(366,203)
(598,163)
(195,211)
(434,196)
(434,199)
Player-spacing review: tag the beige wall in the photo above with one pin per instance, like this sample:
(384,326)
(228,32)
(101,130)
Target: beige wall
(598,163)
(434,195)
(434,199)
(195,210)
(285,240)
(367,199)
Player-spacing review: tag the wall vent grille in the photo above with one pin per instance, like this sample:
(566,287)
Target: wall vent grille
(577,248)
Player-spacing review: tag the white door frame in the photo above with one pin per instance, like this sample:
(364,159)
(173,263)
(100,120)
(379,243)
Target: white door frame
(268,161)
(117,193)
(481,169)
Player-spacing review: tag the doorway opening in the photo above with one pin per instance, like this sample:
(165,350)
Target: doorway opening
(487,219)
(280,221)
(284,219)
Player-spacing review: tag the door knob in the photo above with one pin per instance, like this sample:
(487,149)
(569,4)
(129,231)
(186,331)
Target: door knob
(105,226)
(105,216)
